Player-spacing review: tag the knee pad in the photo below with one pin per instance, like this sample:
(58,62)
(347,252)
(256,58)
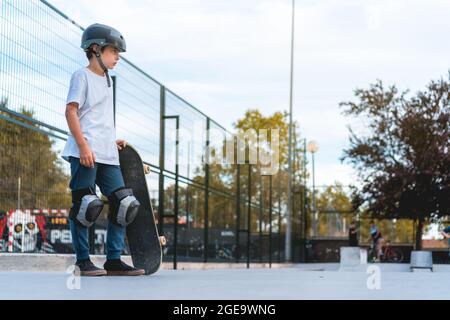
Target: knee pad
(123,207)
(86,207)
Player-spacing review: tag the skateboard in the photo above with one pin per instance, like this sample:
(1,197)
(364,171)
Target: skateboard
(142,234)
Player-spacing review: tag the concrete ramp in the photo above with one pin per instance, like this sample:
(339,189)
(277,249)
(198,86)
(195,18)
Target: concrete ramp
(353,259)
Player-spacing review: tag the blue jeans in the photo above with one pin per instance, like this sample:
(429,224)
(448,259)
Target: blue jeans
(108,178)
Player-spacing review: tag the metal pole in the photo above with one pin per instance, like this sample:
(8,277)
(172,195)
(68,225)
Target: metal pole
(162,134)
(114,79)
(260,240)
(303,213)
(238,211)
(206,226)
(249,212)
(187,187)
(296,204)
(18,195)
(176,207)
(175,236)
(289,200)
(187,207)
(270,221)
(314,198)
(92,228)
(294,218)
(305,197)
(279,218)
(23,216)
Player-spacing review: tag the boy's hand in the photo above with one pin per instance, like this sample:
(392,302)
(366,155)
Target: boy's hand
(121,144)
(87,157)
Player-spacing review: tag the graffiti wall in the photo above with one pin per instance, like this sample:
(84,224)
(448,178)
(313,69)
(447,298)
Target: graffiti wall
(42,231)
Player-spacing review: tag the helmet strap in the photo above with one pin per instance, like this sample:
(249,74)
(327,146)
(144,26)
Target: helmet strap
(102,65)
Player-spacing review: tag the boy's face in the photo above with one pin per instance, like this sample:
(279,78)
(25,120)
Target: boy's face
(110,57)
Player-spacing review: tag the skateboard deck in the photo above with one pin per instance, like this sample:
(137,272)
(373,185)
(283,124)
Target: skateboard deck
(142,233)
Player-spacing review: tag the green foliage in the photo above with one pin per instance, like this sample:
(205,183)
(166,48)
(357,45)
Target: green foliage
(404,160)
(28,154)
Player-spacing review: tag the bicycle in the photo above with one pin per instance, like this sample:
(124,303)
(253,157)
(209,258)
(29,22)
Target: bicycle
(388,254)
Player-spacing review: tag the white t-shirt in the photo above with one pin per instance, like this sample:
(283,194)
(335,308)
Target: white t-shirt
(96,114)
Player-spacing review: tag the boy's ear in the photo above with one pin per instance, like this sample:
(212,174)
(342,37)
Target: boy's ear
(94,47)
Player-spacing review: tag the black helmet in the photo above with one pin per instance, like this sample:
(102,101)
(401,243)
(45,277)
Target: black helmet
(102,35)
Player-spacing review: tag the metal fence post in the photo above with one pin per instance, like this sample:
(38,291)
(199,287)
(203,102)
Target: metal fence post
(175,236)
(114,80)
(162,135)
(260,237)
(238,211)
(270,221)
(249,225)
(175,215)
(206,226)
(279,218)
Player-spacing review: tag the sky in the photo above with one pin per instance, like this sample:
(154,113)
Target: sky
(228,56)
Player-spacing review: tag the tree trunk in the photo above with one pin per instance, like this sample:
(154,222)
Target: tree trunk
(419,231)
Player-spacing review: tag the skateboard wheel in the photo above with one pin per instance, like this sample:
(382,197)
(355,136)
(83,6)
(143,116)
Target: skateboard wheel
(162,240)
(146,169)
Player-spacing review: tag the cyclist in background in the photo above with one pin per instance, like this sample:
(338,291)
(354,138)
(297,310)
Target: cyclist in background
(446,234)
(377,240)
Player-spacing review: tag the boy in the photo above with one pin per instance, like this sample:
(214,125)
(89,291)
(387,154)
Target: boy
(92,150)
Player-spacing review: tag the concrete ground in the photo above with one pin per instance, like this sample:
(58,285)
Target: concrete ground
(304,281)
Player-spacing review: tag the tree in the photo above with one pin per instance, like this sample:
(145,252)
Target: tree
(28,154)
(337,211)
(404,160)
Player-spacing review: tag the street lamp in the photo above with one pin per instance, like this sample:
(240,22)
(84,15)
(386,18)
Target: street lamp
(313,147)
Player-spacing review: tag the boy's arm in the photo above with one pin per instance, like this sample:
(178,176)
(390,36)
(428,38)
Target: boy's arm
(87,158)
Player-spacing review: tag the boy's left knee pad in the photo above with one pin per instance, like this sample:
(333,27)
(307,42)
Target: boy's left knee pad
(123,207)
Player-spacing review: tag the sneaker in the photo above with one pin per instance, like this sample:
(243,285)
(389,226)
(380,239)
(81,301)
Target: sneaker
(88,269)
(119,268)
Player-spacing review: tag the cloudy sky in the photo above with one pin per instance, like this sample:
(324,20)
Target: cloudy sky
(226,56)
